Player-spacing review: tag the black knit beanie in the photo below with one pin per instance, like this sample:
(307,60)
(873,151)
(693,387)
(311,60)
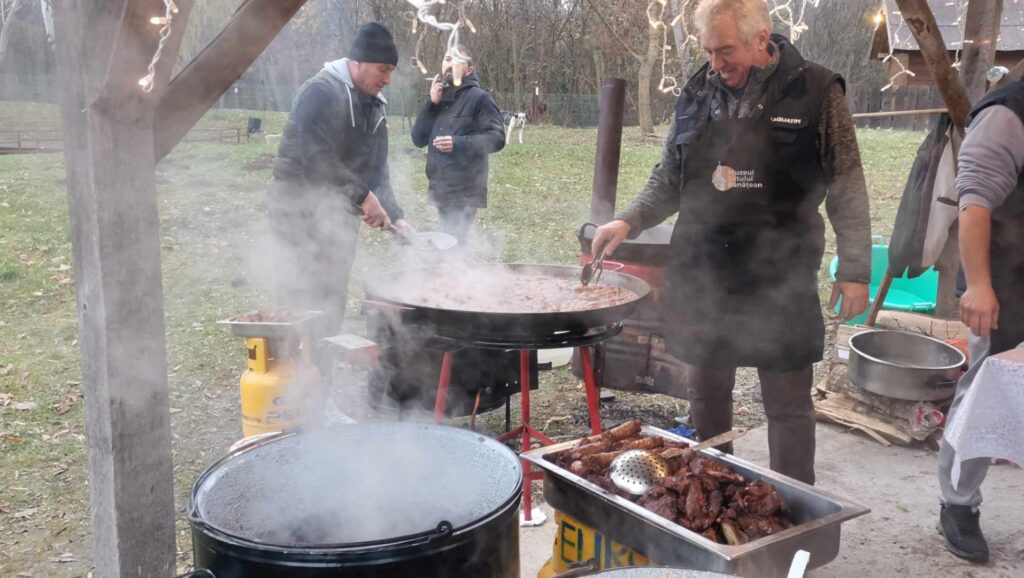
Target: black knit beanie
(375,44)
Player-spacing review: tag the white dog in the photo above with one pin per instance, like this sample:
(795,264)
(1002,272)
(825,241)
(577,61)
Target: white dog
(514,120)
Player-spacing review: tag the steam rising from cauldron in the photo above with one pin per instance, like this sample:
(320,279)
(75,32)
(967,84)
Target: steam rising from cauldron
(358,484)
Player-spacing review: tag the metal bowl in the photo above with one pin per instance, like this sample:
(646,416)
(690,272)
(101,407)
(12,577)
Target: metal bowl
(904,365)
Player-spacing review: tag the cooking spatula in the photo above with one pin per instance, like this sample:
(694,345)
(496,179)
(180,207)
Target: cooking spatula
(635,471)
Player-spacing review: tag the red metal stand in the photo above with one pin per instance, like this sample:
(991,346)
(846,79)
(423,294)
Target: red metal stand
(526,432)
(442,387)
(593,402)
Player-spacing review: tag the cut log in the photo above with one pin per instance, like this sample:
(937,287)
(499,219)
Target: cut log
(924,324)
(841,412)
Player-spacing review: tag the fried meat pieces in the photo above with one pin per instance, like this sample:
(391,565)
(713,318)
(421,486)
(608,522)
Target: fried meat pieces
(701,494)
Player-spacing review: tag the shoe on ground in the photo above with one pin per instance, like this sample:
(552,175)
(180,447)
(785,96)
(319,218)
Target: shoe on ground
(960,527)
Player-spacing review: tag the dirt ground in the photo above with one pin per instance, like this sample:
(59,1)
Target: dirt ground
(210,214)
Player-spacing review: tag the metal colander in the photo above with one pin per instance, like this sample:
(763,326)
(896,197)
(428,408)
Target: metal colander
(635,471)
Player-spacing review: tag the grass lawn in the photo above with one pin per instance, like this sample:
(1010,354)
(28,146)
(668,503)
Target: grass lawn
(213,266)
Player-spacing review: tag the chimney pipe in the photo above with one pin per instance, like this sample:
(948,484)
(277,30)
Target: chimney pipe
(609,146)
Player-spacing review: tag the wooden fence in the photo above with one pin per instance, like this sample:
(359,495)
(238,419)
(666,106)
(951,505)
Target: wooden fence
(40,139)
(562,109)
(867,100)
(31,139)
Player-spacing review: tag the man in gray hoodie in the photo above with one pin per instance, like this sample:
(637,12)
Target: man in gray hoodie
(331,170)
(990,187)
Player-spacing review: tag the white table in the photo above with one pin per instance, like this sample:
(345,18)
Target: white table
(989,423)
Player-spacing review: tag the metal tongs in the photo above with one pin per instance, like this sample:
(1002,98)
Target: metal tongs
(407,236)
(592,270)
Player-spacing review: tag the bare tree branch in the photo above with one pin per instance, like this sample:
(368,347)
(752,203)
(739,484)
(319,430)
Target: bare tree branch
(615,35)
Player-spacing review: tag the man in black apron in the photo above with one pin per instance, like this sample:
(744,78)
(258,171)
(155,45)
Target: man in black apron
(760,136)
(990,186)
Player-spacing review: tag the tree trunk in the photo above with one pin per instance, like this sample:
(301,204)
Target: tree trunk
(650,60)
(46,8)
(680,36)
(516,91)
(6,26)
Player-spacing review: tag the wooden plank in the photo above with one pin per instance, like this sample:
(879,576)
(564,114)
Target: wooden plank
(924,324)
(857,104)
(981,30)
(116,254)
(198,86)
(919,18)
(921,101)
(875,99)
(904,101)
(840,410)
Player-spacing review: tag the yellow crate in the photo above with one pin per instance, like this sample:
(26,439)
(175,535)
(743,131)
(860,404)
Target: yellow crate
(575,542)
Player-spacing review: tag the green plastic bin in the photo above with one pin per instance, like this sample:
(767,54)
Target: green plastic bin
(915,295)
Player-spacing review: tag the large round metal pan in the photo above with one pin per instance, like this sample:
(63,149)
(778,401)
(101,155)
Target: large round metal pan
(399,289)
(904,365)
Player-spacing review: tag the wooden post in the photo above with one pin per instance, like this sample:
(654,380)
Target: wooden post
(104,48)
(981,32)
(880,295)
(981,29)
(110,148)
(198,86)
(919,18)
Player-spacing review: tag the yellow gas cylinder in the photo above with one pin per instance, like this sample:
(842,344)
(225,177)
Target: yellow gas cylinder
(277,393)
(577,543)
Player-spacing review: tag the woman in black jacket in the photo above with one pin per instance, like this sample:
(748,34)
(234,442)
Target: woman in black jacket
(462,125)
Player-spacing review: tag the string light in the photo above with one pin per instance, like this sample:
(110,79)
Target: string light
(170,9)
(790,13)
(893,41)
(791,18)
(423,13)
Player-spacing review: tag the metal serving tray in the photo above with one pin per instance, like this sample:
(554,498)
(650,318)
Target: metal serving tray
(304,323)
(818,515)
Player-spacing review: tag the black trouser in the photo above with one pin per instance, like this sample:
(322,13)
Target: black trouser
(787,403)
(456,220)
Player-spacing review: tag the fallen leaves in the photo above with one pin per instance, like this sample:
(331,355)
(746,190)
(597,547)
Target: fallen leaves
(67,403)
(24,514)
(24,405)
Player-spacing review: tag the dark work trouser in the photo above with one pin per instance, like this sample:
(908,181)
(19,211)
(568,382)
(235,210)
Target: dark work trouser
(967,490)
(787,404)
(456,220)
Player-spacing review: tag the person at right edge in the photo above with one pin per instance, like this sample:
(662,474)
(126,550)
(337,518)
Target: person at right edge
(990,186)
(761,138)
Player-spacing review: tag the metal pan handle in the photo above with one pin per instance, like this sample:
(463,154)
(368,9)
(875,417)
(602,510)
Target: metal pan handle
(583,229)
(386,306)
(617,266)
